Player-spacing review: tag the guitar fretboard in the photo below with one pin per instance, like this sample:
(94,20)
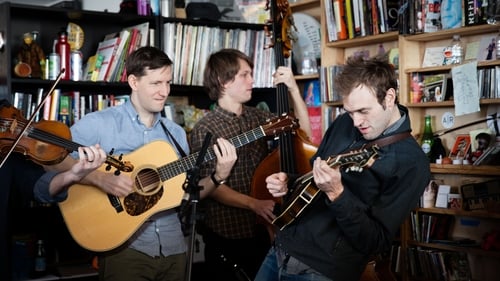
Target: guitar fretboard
(182,165)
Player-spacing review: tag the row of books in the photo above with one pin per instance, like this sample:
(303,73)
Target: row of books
(57,107)
(430,227)
(429,16)
(438,265)
(327,75)
(108,63)
(347,19)
(66,107)
(489,82)
(189,46)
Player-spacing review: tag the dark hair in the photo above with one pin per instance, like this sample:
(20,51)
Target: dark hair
(375,73)
(146,58)
(222,67)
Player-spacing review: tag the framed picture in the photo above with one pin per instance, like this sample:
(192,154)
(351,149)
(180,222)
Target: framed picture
(434,87)
(461,146)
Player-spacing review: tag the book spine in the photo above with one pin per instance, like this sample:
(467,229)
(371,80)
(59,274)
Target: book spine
(469,12)
(338,7)
(349,18)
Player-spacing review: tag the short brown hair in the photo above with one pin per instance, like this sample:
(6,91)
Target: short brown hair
(146,58)
(222,67)
(375,73)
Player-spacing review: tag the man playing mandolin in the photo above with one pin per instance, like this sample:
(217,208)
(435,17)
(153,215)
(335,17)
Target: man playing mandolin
(229,222)
(357,213)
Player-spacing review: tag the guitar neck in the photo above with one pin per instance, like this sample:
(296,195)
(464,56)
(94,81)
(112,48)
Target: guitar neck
(184,164)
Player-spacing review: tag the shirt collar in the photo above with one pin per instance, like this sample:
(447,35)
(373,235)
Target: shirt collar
(133,115)
(394,127)
(228,114)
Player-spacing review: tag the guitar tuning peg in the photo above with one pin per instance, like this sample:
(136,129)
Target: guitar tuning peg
(117,172)
(112,151)
(108,167)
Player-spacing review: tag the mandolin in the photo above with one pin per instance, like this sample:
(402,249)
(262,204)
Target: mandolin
(304,190)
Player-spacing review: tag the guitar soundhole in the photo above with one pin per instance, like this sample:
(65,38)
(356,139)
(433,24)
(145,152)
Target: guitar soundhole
(147,182)
(149,192)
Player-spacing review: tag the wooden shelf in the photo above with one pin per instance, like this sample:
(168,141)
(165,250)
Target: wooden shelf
(449,103)
(310,7)
(304,5)
(470,250)
(306,77)
(366,40)
(473,214)
(444,68)
(465,170)
(448,33)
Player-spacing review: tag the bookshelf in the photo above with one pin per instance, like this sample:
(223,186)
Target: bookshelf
(18,19)
(482,262)
(412,47)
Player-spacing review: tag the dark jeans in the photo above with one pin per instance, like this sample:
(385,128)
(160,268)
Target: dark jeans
(276,268)
(222,254)
(130,264)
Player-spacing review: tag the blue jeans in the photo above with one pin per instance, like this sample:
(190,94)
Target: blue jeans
(275,268)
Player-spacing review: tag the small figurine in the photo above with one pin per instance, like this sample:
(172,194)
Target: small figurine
(32,54)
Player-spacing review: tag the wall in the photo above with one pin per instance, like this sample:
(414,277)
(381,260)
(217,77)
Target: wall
(100,5)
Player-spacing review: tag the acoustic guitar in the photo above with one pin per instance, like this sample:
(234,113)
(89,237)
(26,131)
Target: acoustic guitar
(305,190)
(100,222)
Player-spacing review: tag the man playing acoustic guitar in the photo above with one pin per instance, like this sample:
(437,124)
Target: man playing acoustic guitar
(138,206)
(357,213)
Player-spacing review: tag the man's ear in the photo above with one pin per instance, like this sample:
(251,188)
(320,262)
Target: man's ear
(132,82)
(390,97)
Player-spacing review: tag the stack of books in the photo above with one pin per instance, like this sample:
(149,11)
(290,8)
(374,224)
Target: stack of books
(108,64)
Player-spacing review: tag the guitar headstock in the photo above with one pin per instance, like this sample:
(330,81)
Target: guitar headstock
(355,160)
(280,124)
(282,26)
(118,163)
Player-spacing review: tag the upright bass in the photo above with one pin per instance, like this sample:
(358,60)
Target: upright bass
(294,148)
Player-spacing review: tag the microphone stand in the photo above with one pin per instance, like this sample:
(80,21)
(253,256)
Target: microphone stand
(188,205)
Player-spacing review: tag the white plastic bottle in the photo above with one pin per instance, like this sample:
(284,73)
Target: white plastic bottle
(454,53)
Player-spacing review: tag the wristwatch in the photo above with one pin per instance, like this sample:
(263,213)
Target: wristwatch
(215,181)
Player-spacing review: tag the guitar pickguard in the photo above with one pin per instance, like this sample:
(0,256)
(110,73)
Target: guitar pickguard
(136,204)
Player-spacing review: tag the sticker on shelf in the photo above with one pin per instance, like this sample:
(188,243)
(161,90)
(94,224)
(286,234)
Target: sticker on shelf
(448,120)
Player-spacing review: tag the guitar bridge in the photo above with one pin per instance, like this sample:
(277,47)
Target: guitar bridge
(115,202)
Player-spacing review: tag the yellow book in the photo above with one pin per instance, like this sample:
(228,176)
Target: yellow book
(349,18)
(90,67)
(97,67)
